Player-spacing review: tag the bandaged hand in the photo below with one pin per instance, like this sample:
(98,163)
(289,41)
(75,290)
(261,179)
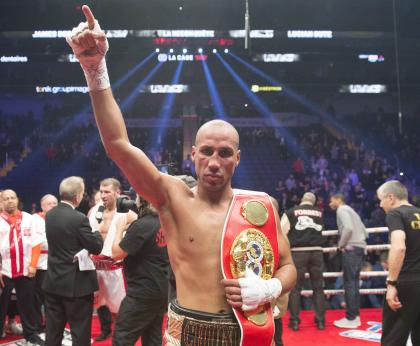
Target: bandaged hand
(89,45)
(256,291)
(276,311)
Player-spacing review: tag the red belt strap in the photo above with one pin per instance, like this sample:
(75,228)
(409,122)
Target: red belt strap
(103,262)
(251,241)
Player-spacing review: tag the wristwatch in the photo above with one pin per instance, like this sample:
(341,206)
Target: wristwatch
(391,282)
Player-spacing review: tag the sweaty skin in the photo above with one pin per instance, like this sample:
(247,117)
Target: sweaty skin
(193,219)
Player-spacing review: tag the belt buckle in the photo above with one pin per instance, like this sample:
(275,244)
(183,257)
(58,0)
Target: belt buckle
(259,316)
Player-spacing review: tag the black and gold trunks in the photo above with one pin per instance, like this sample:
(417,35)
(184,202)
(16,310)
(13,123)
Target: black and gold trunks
(195,328)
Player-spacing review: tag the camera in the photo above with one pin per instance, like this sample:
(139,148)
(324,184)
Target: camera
(127,202)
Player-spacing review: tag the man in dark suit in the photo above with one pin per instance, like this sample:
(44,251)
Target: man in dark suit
(68,290)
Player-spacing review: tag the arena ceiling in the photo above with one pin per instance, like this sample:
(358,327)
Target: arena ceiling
(366,15)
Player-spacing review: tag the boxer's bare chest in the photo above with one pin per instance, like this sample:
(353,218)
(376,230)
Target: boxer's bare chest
(106,222)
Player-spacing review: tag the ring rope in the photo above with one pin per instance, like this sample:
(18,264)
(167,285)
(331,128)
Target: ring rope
(368,248)
(362,274)
(363,291)
(369,230)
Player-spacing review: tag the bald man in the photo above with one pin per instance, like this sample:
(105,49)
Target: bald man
(304,224)
(19,250)
(199,223)
(47,203)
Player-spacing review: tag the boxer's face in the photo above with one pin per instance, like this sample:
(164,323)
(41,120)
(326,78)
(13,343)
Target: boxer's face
(10,201)
(109,196)
(216,156)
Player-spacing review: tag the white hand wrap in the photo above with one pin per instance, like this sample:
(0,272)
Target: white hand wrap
(256,291)
(93,60)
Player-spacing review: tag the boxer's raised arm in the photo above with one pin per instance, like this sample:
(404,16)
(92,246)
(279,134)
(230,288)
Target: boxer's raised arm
(90,45)
(139,170)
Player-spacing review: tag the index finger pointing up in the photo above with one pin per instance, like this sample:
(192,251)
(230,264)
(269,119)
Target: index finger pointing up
(89,16)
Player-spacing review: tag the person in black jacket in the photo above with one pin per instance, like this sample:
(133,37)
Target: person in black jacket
(304,224)
(146,266)
(69,290)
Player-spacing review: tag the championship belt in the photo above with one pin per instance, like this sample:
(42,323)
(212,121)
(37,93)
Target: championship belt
(249,240)
(103,262)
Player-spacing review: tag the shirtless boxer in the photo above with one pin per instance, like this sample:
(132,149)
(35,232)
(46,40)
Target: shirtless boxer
(103,217)
(194,220)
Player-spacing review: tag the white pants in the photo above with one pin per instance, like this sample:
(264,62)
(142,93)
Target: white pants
(111,289)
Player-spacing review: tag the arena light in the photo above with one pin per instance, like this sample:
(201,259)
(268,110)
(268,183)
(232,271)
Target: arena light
(37,154)
(166,110)
(134,94)
(259,104)
(277,57)
(216,100)
(157,50)
(226,50)
(363,88)
(167,88)
(214,50)
(266,88)
(315,34)
(15,58)
(131,72)
(292,94)
(185,51)
(252,34)
(373,58)
(200,50)
(171,50)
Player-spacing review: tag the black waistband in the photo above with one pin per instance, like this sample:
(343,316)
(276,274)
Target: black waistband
(200,315)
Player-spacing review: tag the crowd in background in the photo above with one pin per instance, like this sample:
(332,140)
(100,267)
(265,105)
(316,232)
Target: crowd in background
(319,159)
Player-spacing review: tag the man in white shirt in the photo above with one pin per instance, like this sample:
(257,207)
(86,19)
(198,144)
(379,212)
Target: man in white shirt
(19,250)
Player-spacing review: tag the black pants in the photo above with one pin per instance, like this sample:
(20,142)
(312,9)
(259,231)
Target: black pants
(396,326)
(12,310)
(313,263)
(139,317)
(76,311)
(24,287)
(278,332)
(39,300)
(105,319)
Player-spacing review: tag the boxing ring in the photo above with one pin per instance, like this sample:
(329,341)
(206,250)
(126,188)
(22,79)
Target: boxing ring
(369,333)
(334,249)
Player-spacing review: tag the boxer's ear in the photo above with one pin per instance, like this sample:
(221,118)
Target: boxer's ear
(193,152)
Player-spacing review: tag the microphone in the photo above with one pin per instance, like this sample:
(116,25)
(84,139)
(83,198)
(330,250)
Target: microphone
(100,214)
